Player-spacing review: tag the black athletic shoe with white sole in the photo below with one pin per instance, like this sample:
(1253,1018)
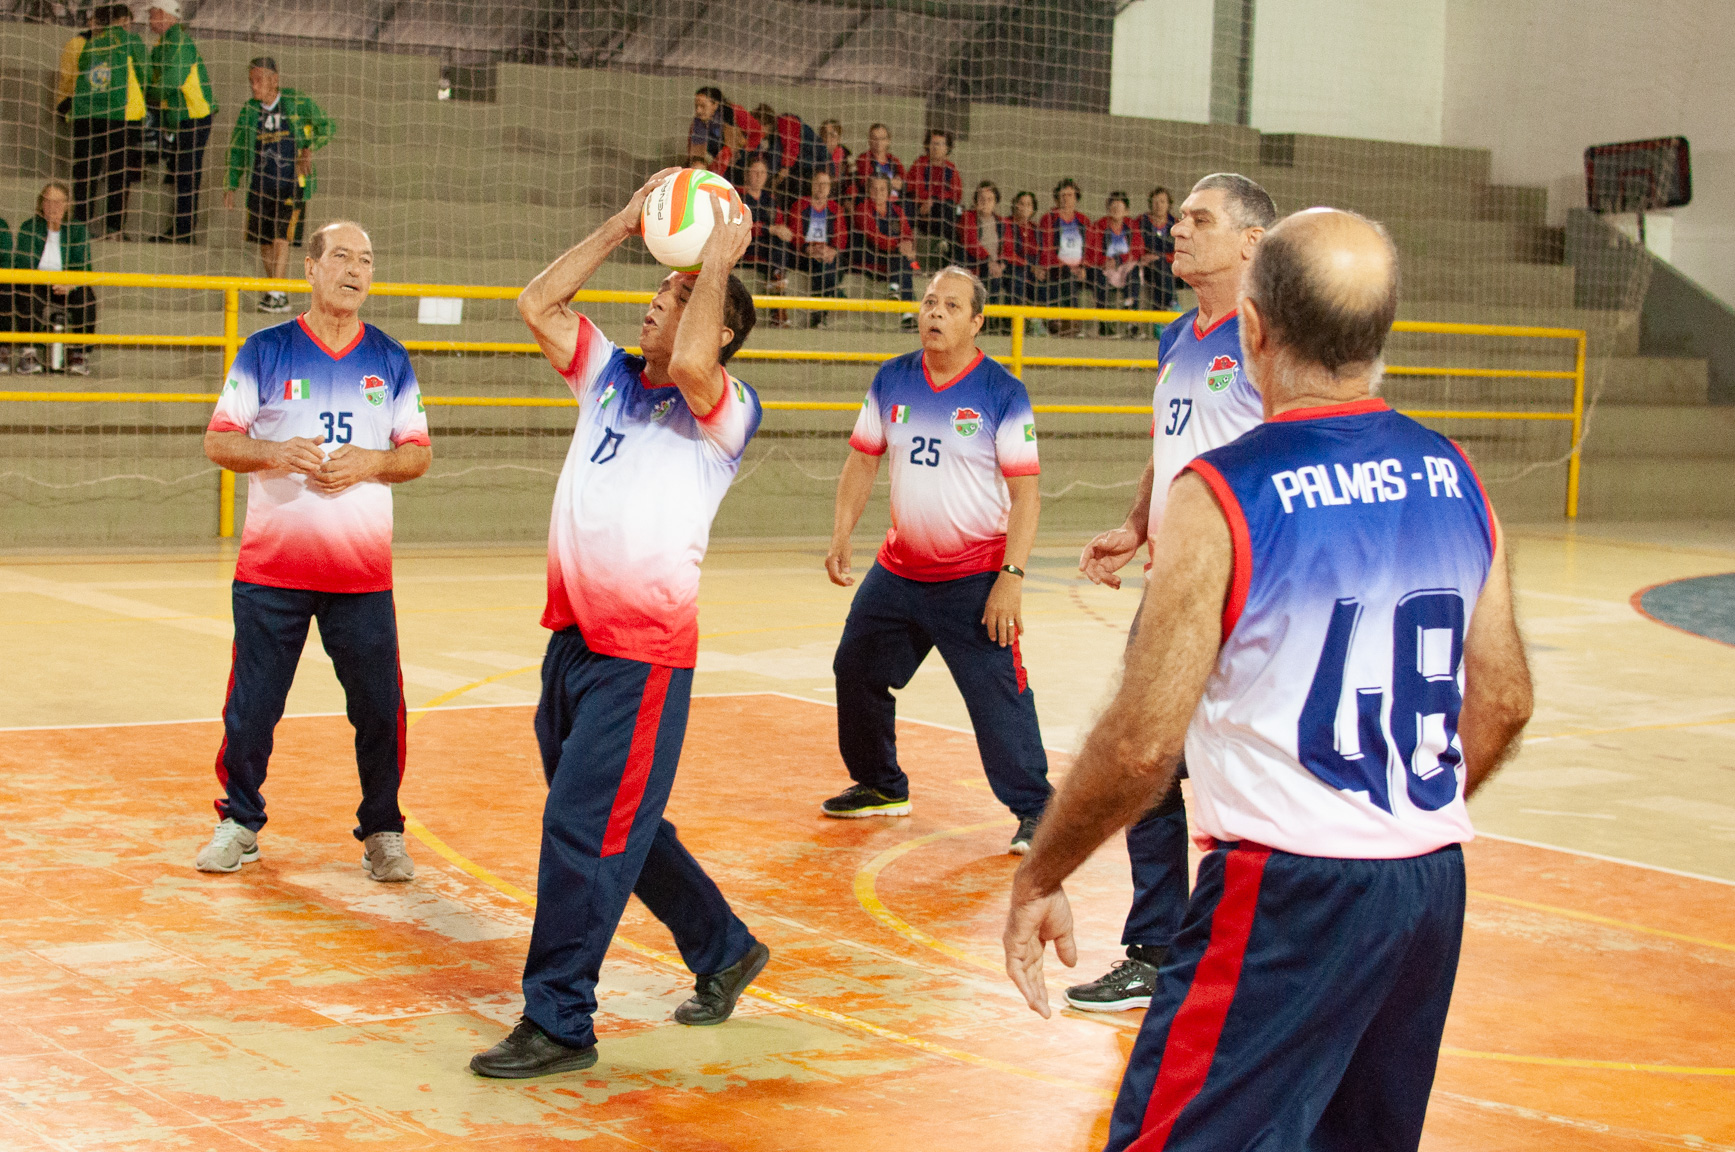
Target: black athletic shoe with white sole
(714,995)
(1026,833)
(1128,984)
(860,800)
(529,1051)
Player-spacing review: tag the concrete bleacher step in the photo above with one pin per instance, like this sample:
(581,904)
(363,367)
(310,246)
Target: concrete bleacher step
(1672,432)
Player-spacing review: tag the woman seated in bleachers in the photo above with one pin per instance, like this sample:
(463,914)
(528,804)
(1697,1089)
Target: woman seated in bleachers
(1154,225)
(987,245)
(1115,248)
(769,254)
(49,242)
(819,237)
(1024,249)
(1065,235)
(884,249)
(936,189)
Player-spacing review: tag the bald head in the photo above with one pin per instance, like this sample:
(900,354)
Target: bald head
(1325,285)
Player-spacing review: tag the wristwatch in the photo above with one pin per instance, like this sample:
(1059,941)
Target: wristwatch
(1012,568)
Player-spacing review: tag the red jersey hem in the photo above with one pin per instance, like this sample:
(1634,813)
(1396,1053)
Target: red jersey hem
(1032,470)
(862,447)
(934,574)
(220,425)
(413,438)
(249,576)
(716,412)
(688,658)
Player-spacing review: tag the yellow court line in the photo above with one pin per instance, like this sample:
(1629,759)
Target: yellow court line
(446,852)
(1607,921)
(867,878)
(1567,1062)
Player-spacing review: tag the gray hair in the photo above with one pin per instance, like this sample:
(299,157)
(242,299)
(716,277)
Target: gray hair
(978,290)
(1250,206)
(1316,318)
(316,242)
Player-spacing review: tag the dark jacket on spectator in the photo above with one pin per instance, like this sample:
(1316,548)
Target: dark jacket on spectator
(710,133)
(1026,245)
(1048,231)
(939,182)
(766,215)
(1157,239)
(836,226)
(970,236)
(840,167)
(878,233)
(1096,249)
(866,166)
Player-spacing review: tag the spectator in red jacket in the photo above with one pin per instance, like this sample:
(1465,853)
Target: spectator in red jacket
(988,244)
(1115,250)
(1065,235)
(837,156)
(936,188)
(819,235)
(884,249)
(782,150)
(1025,254)
(878,161)
(1155,264)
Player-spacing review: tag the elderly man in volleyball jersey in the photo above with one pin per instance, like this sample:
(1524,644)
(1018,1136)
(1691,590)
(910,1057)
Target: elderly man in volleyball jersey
(659,439)
(1203,400)
(1328,631)
(961,437)
(323,413)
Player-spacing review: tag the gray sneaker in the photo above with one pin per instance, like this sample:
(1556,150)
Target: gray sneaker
(231,846)
(386,859)
(1128,984)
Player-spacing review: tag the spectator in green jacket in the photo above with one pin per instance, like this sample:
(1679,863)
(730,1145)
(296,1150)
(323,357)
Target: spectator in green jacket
(274,141)
(179,92)
(108,97)
(50,242)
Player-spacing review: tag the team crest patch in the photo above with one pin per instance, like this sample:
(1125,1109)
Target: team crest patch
(662,409)
(373,390)
(1222,373)
(966,421)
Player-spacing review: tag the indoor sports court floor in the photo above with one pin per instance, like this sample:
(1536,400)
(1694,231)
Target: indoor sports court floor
(297,1004)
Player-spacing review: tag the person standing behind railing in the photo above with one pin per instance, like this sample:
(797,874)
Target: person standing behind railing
(50,242)
(1065,235)
(1024,251)
(180,92)
(274,140)
(108,95)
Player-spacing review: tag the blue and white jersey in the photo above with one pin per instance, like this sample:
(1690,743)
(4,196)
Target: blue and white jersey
(1203,399)
(1329,726)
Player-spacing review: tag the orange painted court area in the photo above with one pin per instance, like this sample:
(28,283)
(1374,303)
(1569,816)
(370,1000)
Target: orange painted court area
(296,1003)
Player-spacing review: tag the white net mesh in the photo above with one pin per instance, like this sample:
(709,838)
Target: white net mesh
(478,141)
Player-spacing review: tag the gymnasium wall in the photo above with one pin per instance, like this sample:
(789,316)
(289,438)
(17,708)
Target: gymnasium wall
(1536,81)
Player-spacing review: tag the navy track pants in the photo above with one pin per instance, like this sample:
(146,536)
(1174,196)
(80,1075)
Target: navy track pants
(610,731)
(1300,1007)
(360,633)
(1157,851)
(892,626)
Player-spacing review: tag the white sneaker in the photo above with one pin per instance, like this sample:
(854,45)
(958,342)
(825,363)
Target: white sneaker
(386,860)
(231,846)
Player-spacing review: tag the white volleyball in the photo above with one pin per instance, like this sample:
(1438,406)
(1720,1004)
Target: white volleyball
(679,213)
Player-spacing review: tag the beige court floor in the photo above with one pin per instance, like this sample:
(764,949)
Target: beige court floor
(291,1005)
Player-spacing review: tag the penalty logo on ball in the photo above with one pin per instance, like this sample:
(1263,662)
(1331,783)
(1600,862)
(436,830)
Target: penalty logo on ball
(679,214)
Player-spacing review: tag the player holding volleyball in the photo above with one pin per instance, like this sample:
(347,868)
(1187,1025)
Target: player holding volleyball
(1328,629)
(1203,400)
(659,439)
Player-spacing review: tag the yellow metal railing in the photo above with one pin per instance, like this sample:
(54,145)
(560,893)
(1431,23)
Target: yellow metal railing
(1017,360)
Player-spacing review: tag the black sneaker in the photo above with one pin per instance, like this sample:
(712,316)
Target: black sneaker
(714,996)
(529,1051)
(1128,984)
(860,800)
(1026,833)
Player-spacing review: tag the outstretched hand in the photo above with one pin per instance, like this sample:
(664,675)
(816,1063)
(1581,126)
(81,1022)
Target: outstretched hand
(633,213)
(1031,923)
(1107,554)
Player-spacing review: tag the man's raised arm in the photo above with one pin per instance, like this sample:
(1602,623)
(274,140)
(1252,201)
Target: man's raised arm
(544,301)
(1129,758)
(699,341)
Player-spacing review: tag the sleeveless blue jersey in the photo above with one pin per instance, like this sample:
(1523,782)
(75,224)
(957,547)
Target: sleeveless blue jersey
(1329,726)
